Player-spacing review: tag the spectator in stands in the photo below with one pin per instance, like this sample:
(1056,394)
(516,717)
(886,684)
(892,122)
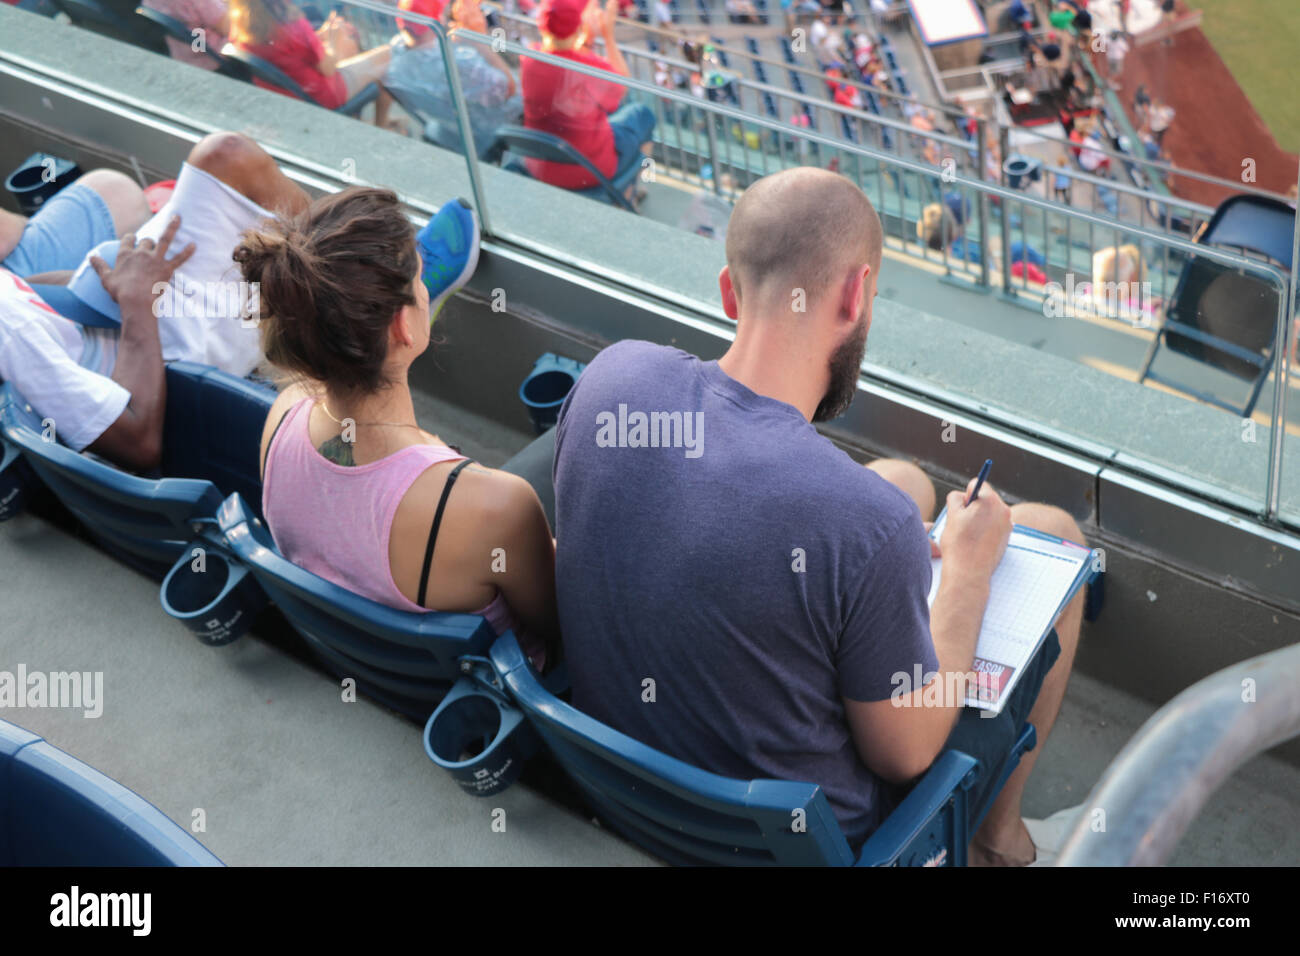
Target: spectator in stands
(1160,118)
(347,293)
(1116,50)
(327,63)
(742,11)
(166,292)
(663,14)
(1141,103)
(1061,181)
(418,79)
(825,42)
(208,20)
(770,587)
(588,113)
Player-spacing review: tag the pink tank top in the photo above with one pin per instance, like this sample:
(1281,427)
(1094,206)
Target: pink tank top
(335,520)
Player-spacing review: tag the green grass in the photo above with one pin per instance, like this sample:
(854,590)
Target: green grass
(1259,41)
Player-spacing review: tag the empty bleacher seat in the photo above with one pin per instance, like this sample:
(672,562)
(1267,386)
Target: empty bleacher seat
(57,811)
(900,83)
(847,130)
(786,50)
(760,71)
(769,105)
(891,60)
(703,10)
(752,45)
(796,82)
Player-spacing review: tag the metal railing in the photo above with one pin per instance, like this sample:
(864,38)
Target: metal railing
(887,174)
(1154,789)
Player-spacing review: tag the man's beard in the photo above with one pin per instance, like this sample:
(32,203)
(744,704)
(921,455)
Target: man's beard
(846,363)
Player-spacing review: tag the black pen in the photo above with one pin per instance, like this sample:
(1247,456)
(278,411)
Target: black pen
(979,482)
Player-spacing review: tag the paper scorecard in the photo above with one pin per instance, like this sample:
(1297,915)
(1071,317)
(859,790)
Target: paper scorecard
(1038,575)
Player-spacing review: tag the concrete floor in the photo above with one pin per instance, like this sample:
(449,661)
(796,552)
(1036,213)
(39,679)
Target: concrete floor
(288,774)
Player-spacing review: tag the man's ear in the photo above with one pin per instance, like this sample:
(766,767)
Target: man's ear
(857,285)
(730,301)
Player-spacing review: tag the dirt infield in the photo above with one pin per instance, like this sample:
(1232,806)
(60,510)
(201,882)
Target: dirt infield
(1216,127)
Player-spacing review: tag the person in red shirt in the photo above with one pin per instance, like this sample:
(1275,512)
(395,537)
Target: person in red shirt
(326,63)
(580,109)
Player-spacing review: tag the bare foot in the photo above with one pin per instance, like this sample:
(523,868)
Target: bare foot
(1018,851)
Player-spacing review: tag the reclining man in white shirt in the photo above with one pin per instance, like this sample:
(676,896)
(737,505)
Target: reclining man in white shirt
(86,348)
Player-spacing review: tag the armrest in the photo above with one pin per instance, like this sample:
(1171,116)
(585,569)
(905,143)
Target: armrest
(950,775)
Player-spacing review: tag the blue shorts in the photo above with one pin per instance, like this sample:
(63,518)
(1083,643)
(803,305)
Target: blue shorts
(70,223)
(989,739)
(632,124)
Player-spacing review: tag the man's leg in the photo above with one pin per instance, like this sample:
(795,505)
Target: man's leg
(99,206)
(910,479)
(1002,837)
(632,125)
(244,166)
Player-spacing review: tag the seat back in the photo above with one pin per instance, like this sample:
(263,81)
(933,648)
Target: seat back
(213,429)
(536,144)
(405,659)
(680,813)
(115,19)
(160,24)
(146,521)
(57,811)
(265,71)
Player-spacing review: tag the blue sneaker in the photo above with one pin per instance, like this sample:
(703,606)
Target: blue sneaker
(448,246)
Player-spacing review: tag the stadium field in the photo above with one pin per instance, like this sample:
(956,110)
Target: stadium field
(1257,40)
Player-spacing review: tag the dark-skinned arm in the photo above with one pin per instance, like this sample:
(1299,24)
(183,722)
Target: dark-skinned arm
(141,273)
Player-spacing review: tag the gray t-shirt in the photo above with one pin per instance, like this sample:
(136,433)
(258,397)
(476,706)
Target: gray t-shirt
(711,541)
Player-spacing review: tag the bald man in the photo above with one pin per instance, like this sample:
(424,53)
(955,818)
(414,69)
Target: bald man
(735,591)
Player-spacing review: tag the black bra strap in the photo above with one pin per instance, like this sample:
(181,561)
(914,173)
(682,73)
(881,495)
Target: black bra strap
(433,532)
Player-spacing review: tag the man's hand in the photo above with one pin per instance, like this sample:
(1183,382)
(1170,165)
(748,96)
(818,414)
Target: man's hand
(142,269)
(611,17)
(975,538)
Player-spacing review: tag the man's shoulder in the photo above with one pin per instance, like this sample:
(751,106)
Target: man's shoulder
(634,355)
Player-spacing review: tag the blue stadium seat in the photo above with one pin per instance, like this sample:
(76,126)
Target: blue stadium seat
(535,144)
(900,83)
(720,53)
(405,659)
(443,131)
(703,9)
(210,449)
(769,106)
(847,130)
(787,51)
(57,811)
(752,45)
(685,815)
(891,60)
(651,43)
(883,41)
(873,104)
(272,75)
(760,71)
(796,82)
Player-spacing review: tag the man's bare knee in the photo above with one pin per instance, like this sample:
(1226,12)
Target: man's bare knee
(1048,518)
(231,157)
(122,195)
(911,479)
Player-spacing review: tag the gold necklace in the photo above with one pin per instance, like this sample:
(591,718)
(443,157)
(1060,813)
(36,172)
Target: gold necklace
(369,424)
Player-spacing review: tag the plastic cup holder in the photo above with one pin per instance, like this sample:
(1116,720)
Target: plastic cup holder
(213,596)
(480,740)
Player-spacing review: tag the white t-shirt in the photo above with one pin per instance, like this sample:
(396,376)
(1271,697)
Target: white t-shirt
(63,369)
(41,354)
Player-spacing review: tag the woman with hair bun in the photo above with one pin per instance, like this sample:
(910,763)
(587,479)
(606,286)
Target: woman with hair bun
(354,490)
